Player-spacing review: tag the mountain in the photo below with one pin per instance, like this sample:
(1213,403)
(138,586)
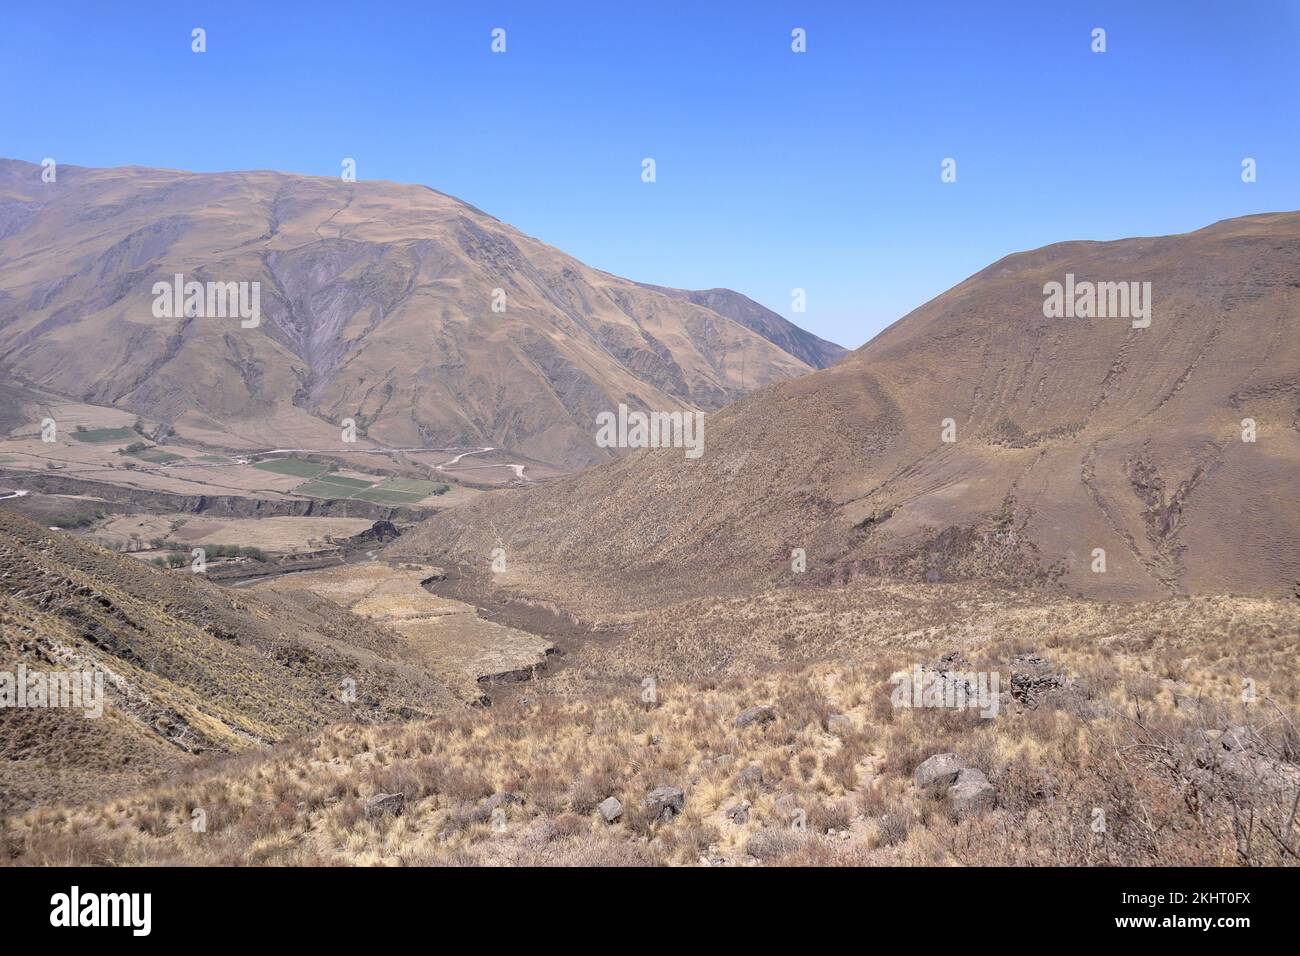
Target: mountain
(1072,436)
(803,345)
(424,319)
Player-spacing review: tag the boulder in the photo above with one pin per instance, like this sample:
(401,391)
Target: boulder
(939,770)
(501,799)
(610,809)
(972,793)
(739,813)
(751,776)
(385,804)
(761,714)
(665,802)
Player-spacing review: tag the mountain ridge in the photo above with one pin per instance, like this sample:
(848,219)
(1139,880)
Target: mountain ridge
(1070,435)
(413,313)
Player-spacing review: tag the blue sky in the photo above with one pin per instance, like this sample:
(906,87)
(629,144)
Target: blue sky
(775,170)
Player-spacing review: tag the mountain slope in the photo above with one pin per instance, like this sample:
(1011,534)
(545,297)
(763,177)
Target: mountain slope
(803,345)
(377,304)
(189,668)
(1071,435)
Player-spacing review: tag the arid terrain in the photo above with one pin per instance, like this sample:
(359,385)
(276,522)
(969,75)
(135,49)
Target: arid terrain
(975,439)
(427,322)
(995,588)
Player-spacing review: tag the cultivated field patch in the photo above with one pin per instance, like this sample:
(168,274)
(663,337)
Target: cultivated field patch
(99,435)
(291,466)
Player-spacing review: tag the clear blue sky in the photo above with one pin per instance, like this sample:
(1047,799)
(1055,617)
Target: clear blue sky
(775,170)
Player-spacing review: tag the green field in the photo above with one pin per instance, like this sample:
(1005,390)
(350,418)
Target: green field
(401,491)
(323,489)
(414,486)
(390,491)
(345,481)
(156,457)
(292,466)
(97,435)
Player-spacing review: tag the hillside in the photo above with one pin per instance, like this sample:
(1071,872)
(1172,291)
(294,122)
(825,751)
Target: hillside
(1070,435)
(803,345)
(425,320)
(190,669)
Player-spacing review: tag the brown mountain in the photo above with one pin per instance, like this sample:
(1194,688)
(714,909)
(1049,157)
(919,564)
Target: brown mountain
(376,304)
(1071,434)
(802,344)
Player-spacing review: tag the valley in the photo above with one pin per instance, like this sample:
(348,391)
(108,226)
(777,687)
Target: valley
(386,579)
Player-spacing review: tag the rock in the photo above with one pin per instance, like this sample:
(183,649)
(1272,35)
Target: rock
(610,809)
(385,804)
(1046,785)
(839,724)
(503,798)
(1239,738)
(972,793)
(1031,662)
(952,661)
(381,532)
(939,770)
(483,812)
(1033,678)
(739,813)
(1240,759)
(751,776)
(665,802)
(761,714)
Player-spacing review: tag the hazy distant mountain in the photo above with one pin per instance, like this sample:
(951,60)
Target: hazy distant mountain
(1073,436)
(817,352)
(422,318)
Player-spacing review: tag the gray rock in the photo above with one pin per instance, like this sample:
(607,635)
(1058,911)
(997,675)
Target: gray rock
(385,804)
(751,776)
(503,798)
(665,802)
(739,813)
(972,793)
(1239,738)
(610,809)
(940,770)
(755,715)
(1239,758)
